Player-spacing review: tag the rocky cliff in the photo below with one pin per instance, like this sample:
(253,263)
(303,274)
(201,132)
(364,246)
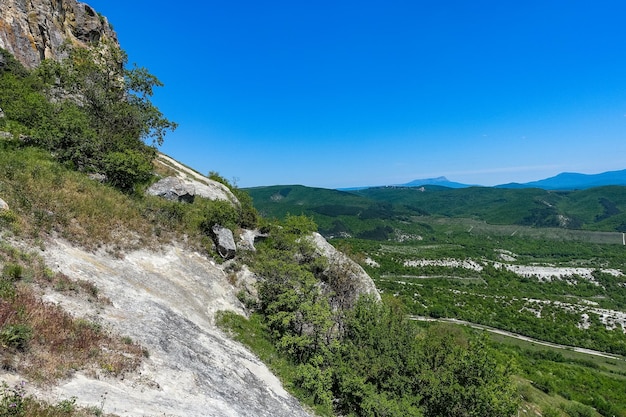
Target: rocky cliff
(165,299)
(33,30)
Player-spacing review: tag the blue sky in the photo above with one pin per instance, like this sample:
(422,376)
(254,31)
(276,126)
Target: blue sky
(353,93)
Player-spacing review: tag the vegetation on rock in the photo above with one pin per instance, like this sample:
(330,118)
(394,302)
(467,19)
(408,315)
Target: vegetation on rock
(90,111)
(369,360)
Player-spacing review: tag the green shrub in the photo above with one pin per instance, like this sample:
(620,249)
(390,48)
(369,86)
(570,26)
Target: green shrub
(300,225)
(16,336)
(7,217)
(12,272)
(127,168)
(7,290)
(544,384)
(317,382)
(215,176)
(66,406)
(575,409)
(248,215)
(220,212)
(550,412)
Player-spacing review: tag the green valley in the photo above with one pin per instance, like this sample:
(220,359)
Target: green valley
(541,264)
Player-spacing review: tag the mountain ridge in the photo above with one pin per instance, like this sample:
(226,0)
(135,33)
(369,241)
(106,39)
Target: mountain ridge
(564,181)
(574,181)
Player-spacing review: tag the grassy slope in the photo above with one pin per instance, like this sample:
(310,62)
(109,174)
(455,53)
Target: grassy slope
(39,340)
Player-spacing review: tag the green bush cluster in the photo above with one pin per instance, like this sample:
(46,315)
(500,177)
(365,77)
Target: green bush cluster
(245,214)
(16,336)
(368,360)
(12,272)
(88,110)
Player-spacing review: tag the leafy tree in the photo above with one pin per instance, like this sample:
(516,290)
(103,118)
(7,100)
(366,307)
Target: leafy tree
(89,110)
(459,376)
(377,361)
(23,102)
(117,121)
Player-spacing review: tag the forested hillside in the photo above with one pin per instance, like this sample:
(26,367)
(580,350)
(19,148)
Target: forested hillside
(370,213)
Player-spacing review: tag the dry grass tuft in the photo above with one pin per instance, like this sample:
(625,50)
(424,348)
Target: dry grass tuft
(61,344)
(42,341)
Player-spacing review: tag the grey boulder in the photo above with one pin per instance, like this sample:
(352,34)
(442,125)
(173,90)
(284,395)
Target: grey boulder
(224,241)
(173,189)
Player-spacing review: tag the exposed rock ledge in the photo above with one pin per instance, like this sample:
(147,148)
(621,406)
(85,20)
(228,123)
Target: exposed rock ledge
(177,189)
(166,301)
(354,280)
(187,184)
(33,30)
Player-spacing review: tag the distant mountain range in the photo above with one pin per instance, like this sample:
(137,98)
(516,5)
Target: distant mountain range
(563,181)
(574,181)
(440,181)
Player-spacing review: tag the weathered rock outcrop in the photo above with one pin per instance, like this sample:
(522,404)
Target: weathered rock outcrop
(3,205)
(247,238)
(224,241)
(33,30)
(187,183)
(178,189)
(166,301)
(173,189)
(347,279)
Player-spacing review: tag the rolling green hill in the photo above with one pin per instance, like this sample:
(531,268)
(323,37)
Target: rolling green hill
(365,211)
(337,213)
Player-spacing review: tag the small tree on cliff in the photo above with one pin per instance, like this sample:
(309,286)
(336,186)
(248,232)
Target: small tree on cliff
(115,100)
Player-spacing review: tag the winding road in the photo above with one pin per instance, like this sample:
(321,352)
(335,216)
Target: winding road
(519,336)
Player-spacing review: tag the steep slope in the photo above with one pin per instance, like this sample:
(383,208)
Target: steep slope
(165,300)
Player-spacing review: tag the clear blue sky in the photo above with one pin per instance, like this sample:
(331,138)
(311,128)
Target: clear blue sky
(353,93)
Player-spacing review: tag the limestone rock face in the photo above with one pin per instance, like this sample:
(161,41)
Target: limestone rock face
(347,279)
(172,189)
(178,189)
(166,301)
(34,30)
(3,205)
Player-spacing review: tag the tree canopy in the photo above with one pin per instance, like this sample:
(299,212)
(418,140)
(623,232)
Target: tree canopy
(89,109)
